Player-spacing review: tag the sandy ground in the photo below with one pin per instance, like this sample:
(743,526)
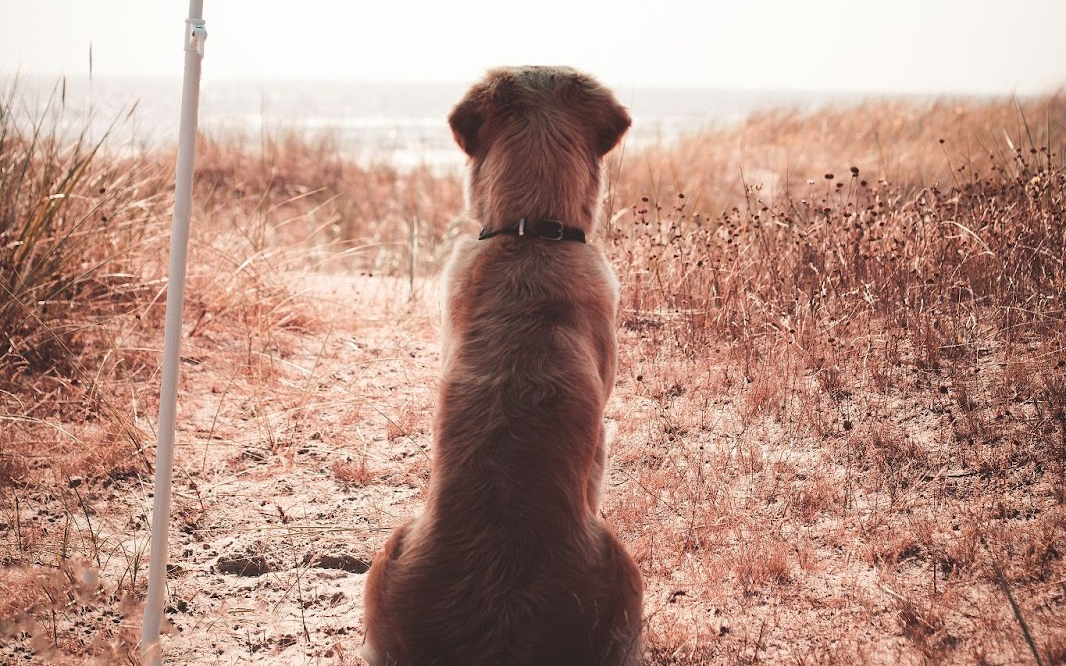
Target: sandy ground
(300,447)
(280,505)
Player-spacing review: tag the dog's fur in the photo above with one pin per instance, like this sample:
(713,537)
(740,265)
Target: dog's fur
(511,562)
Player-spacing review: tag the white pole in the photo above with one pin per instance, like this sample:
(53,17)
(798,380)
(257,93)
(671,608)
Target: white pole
(168,392)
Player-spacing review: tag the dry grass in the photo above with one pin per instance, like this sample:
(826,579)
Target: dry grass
(858,362)
(840,420)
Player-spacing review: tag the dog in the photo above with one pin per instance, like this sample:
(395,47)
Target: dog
(511,562)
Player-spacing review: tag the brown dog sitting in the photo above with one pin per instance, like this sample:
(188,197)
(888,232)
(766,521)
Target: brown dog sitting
(511,562)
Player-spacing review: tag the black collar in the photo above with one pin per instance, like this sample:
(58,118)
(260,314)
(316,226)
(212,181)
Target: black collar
(553,230)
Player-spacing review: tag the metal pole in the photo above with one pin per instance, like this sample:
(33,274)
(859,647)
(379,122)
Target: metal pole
(168,393)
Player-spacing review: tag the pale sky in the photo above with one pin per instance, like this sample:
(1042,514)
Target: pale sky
(922,46)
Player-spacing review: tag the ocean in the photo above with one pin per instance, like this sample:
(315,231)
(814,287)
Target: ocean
(402,123)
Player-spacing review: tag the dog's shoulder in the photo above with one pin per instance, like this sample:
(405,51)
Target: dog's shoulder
(456,275)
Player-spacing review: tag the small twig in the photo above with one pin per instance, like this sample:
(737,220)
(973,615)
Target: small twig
(1001,579)
(758,641)
(18,528)
(300,600)
(89,524)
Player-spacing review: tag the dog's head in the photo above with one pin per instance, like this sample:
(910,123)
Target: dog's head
(514,95)
(536,137)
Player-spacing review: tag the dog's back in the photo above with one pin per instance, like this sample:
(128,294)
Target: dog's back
(511,563)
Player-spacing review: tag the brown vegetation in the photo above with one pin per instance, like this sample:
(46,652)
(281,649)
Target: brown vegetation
(839,425)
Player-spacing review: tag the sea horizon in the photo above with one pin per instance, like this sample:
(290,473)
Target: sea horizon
(399,122)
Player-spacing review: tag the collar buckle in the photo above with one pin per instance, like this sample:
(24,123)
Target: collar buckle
(549,229)
(552,230)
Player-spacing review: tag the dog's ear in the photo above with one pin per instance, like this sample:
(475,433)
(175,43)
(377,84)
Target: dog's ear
(607,119)
(466,120)
(612,123)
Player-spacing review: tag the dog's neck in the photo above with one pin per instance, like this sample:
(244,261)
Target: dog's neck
(503,191)
(502,218)
(549,230)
